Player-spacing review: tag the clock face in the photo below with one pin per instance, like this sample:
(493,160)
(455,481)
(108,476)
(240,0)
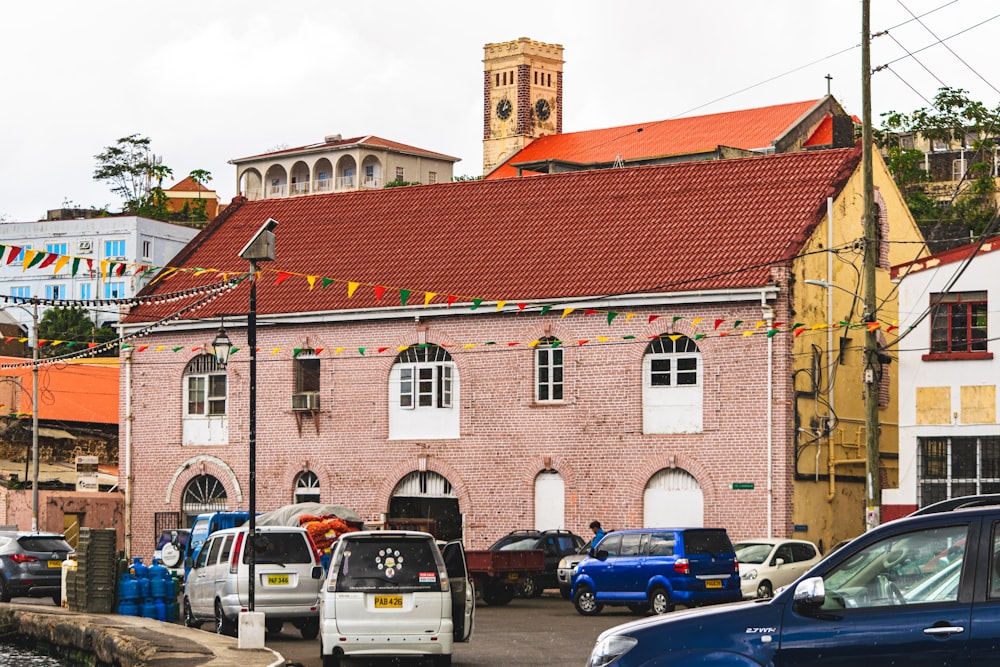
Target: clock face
(503,109)
(543,109)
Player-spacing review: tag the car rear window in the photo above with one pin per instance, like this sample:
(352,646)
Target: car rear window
(44,544)
(284,548)
(707,542)
(388,564)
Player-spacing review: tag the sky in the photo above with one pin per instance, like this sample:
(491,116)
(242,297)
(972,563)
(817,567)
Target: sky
(210,81)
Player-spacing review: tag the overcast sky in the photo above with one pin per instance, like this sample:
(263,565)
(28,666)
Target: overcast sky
(214,80)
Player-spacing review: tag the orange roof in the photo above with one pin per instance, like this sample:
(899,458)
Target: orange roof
(748,129)
(189,185)
(76,391)
(686,226)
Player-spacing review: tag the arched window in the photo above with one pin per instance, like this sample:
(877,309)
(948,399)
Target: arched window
(424,394)
(672,385)
(202,494)
(548,370)
(306,487)
(205,397)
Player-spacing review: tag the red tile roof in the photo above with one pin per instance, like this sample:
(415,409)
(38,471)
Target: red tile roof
(189,185)
(685,226)
(370,141)
(950,256)
(747,129)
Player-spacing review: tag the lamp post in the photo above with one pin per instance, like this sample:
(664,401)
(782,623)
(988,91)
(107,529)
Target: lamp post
(260,248)
(34,411)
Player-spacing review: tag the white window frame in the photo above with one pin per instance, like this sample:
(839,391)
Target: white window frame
(55,292)
(426,378)
(550,371)
(86,291)
(114,248)
(114,290)
(56,248)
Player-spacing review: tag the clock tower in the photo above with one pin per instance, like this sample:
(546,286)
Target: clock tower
(522,96)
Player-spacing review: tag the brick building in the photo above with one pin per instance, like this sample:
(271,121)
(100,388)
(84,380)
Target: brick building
(620,344)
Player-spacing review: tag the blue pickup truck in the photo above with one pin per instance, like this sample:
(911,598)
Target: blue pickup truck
(921,590)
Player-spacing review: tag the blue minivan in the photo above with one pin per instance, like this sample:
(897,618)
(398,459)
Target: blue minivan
(652,569)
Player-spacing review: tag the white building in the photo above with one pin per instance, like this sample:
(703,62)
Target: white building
(949,438)
(84,260)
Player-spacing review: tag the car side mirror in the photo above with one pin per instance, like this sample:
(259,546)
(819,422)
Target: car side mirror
(779,561)
(601,554)
(317,572)
(810,592)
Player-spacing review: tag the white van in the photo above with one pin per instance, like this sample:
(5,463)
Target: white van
(288,578)
(395,593)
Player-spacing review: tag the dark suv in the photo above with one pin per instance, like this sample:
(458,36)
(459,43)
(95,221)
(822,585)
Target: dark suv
(31,564)
(921,590)
(554,543)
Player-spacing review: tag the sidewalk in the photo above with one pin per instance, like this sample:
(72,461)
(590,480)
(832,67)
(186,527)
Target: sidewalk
(132,641)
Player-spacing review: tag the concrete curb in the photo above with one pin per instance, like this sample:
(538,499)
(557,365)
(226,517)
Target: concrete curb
(131,641)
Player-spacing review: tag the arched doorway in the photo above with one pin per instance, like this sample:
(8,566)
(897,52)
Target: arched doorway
(425,495)
(673,498)
(550,501)
(203,494)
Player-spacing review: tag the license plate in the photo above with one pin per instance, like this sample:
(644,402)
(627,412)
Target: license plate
(512,575)
(713,583)
(55,564)
(388,601)
(278,580)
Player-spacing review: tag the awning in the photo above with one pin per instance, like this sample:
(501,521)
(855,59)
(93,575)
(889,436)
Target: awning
(56,433)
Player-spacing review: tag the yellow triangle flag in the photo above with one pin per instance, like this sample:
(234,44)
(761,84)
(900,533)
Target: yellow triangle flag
(603,339)
(629,316)
(28,256)
(468,346)
(338,350)
(60,262)
(567,311)
(350,289)
(312,281)
(747,333)
(428,297)
(500,304)
(696,320)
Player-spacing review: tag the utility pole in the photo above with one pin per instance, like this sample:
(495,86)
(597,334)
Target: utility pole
(870,373)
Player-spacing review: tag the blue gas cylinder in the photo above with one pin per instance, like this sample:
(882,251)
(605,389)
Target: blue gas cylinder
(137,568)
(128,608)
(128,588)
(158,587)
(161,609)
(148,609)
(143,583)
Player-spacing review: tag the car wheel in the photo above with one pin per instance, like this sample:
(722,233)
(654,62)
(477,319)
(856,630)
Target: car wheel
(273,625)
(585,602)
(498,593)
(189,619)
(639,609)
(309,628)
(5,595)
(223,625)
(528,588)
(329,659)
(764,590)
(566,592)
(57,600)
(660,602)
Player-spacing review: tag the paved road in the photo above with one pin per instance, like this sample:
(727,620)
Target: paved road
(545,632)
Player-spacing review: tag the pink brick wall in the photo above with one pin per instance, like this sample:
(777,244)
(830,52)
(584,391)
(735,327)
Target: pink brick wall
(594,439)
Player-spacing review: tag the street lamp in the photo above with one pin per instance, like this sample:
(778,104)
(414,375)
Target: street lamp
(221,347)
(34,410)
(260,248)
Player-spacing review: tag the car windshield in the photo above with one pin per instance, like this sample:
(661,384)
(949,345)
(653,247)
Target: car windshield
(506,540)
(752,553)
(521,545)
(44,544)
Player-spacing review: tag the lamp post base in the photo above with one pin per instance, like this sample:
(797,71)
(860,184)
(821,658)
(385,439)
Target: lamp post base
(251,630)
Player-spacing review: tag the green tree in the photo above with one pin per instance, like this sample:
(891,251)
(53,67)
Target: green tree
(136,175)
(72,325)
(953,117)
(198,209)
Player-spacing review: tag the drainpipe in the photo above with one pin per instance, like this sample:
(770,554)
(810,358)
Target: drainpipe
(769,319)
(829,334)
(128,454)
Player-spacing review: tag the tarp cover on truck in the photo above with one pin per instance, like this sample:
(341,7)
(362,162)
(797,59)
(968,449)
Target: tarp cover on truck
(289,514)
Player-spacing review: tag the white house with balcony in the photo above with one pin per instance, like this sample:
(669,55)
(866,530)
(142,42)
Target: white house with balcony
(336,165)
(949,436)
(30,264)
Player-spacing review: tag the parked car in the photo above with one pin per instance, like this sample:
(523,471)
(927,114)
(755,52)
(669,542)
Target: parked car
(31,564)
(395,594)
(656,568)
(566,569)
(171,548)
(287,572)
(921,590)
(768,564)
(555,544)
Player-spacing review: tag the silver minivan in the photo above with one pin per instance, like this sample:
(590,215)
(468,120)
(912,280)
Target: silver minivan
(395,593)
(287,573)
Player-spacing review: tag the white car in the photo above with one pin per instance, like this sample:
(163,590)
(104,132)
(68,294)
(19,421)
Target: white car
(768,564)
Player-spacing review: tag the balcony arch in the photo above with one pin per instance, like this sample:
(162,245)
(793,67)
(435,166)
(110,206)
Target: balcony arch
(347,173)
(322,176)
(276,181)
(251,184)
(298,183)
(371,172)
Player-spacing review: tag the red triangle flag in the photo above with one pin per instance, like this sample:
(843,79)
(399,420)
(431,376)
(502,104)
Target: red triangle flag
(49,259)
(379,291)
(282,277)
(451,299)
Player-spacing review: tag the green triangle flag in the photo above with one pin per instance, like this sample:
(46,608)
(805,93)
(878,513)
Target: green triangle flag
(76,266)
(362,351)
(544,310)
(326,283)
(36,259)
(475,303)
(404,294)
(699,336)
(611,316)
